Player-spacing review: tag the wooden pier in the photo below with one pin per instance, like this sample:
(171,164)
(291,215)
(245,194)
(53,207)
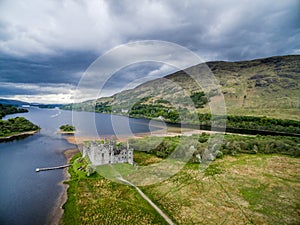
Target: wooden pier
(52,168)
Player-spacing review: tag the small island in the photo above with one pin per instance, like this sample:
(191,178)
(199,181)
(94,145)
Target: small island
(67,129)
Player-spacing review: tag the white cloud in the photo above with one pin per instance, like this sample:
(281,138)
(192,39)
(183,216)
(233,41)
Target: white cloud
(46,93)
(164,69)
(58,98)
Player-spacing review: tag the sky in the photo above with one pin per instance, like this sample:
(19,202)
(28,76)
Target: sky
(46,46)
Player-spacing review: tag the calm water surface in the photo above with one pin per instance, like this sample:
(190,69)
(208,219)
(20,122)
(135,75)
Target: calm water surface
(27,197)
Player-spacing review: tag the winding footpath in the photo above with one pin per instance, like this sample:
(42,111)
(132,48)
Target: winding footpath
(167,219)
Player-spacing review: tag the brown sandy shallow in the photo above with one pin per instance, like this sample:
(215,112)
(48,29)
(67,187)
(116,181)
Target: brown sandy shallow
(171,132)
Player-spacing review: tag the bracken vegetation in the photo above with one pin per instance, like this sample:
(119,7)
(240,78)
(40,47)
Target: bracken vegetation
(241,189)
(259,87)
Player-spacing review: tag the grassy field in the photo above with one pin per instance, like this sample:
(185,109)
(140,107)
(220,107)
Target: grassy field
(241,189)
(96,200)
(245,189)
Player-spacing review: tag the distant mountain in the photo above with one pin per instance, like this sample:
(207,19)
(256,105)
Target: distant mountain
(12,102)
(261,87)
(45,105)
(20,103)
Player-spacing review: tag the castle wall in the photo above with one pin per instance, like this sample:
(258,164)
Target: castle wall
(101,154)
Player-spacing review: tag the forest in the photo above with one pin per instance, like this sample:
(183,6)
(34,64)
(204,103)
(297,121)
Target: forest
(9,109)
(183,115)
(15,126)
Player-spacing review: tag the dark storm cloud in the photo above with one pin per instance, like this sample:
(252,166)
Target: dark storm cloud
(232,30)
(62,68)
(53,42)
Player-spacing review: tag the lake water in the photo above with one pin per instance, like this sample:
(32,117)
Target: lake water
(27,197)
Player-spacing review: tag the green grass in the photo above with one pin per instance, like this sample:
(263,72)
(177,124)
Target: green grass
(213,169)
(240,189)
(145,159)
(96,200)
(71,210)
(234,190)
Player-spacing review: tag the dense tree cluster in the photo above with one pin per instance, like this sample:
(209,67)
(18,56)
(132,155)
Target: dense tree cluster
(67,128)
(103,107)
(183,115)
(233,144)
(9,109)
(199,99)
(159,146)
(254,123)
(154,111)
(16,125)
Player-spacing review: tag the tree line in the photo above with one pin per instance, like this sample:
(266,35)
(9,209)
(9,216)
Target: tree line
(9,109)
(183,115)
(163,147)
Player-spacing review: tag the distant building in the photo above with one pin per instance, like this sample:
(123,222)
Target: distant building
(107,153)
(124,110)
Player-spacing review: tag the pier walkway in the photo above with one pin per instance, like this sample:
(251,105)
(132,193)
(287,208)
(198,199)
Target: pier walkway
(52,168)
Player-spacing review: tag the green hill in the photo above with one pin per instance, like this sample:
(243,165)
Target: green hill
(261,87)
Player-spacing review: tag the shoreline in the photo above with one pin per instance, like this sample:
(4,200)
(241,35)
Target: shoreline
(12,137)
(170,132)
(65,132)
(56,215)
(57,212)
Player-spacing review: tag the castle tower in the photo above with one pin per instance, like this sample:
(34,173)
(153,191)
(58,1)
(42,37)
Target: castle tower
(108,153)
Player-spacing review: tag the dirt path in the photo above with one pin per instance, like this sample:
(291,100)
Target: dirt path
(167,219)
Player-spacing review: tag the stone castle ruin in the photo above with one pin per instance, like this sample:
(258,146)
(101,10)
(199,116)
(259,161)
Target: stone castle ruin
(109,152)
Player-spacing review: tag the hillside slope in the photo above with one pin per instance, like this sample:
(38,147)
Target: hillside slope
(262,87)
